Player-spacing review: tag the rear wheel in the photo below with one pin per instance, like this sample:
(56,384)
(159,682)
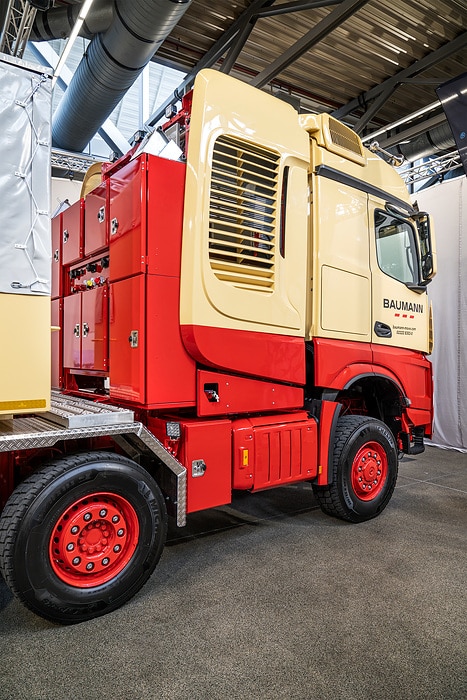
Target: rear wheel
(82,535)
(364,470)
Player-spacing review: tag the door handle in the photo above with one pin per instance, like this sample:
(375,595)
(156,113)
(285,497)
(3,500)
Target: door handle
(382,330)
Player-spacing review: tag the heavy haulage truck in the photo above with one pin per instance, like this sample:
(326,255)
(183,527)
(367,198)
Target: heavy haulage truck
(239,303)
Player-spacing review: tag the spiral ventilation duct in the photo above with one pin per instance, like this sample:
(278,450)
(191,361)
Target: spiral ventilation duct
(113,61)
(58,22)
(436,140)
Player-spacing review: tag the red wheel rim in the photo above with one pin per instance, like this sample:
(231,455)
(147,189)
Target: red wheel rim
(369,471)
(93,540)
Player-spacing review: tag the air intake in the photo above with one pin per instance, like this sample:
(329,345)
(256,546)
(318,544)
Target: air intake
(344,137)
(242,214)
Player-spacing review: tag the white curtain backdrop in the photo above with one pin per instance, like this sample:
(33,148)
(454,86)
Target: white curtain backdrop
(447,204)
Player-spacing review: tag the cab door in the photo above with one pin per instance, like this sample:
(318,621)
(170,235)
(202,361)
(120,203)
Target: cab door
(400,314)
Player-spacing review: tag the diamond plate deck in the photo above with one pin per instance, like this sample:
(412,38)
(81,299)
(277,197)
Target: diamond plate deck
(73,419)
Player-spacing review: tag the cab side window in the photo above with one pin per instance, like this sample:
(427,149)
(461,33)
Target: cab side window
(396,247)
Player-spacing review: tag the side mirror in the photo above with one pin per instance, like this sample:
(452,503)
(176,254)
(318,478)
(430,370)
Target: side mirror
(427,262)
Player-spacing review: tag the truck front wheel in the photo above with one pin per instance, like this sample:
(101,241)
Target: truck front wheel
(81,536)
(364,470)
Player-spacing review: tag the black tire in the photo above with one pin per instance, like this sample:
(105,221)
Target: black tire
(364,470)
(99,506)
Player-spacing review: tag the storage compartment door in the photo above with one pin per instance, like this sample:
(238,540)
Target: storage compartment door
(127,234)
(96,217)
(56,290)
(127,339)
(57,344)
(94,343)
(73,229)
(72,331)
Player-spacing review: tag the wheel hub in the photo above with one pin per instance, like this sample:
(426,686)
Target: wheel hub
(94,539)
(369,471)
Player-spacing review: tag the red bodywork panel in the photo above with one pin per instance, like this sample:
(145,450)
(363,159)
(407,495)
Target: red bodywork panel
(273,450)
(221,394)
(276,357)
(208,442)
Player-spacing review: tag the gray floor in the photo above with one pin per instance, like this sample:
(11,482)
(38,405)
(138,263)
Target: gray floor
(270,599)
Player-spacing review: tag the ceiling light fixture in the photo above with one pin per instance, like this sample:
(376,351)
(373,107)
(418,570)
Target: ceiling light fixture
(71,39)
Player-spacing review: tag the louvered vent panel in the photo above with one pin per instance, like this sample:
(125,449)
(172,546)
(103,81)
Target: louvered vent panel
(344,137)
(242,214)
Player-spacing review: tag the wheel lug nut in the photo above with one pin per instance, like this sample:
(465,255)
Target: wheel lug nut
(363,486)
(90,566)
(379,472)
(105,561)
(87,517)
(103,513)
(120,532)
(360,469)
(378,462)
(115,519)
(117,548)
(70,547)
(76,561)
(74,530)
(360,478)
(375,482)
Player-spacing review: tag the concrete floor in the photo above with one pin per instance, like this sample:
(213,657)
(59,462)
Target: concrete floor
(269,599)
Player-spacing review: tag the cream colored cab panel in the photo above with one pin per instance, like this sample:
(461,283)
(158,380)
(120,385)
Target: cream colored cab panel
(400,315)
(351,313)
(24,353)
(342,308)
(244,258)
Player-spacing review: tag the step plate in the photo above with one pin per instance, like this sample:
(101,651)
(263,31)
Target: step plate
(72,412)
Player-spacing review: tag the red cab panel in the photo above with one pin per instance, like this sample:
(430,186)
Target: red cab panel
(73,232)
(127,340)
(277,357)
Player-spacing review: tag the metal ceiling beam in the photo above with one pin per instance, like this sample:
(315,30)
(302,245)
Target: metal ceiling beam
(401,77)
(211,57)
(316,34)
(375,107)
(297,6)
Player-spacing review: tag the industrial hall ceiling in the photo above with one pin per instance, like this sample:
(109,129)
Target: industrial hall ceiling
(375,64)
